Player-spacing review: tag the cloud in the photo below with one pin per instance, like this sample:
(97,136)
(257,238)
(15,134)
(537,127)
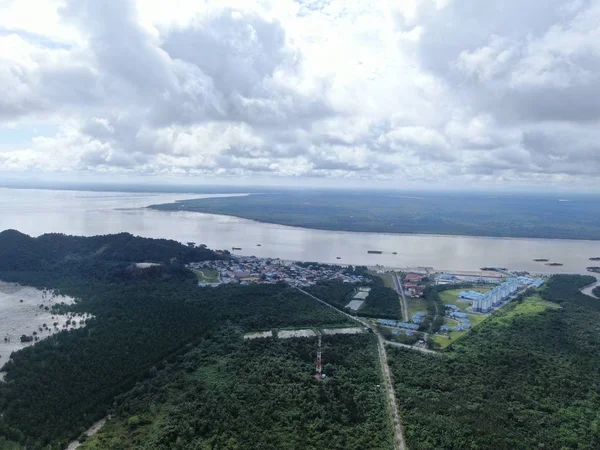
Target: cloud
(427,91)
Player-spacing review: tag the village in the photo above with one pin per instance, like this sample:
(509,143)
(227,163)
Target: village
(464,298)
(250,269)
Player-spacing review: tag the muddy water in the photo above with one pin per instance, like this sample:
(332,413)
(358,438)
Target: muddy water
(20,313)
(90,213)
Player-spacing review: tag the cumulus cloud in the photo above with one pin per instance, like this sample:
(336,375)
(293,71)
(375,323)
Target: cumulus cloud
(425,90)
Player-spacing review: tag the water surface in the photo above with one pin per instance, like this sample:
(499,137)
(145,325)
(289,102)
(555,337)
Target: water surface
(23,311)
(90,213)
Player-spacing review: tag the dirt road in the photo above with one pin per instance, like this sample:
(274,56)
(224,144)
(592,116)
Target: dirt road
(387,379)
(385,370)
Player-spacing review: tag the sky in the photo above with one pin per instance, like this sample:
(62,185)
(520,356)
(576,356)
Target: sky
(424,93)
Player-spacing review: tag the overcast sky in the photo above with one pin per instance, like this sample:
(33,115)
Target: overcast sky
(406,93)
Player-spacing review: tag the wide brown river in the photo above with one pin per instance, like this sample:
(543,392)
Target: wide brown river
(90,213)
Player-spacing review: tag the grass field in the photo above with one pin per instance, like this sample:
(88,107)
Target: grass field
(531,305)
(387,280)
(415,305)
(207,275)
(444,340)
(451,296)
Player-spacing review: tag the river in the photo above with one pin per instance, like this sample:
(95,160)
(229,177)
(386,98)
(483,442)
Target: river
(90,213)
(589,290)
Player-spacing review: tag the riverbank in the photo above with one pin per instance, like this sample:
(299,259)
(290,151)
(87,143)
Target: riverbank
(27,311)
(449,214)
(589,290)
(90,214)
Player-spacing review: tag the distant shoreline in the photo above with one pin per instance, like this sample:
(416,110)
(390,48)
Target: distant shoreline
(255,213)
(390,233)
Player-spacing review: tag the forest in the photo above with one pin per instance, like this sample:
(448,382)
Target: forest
(525,378)
(59,252)
(227,393)
(449,213)
(58,387)
(382,302)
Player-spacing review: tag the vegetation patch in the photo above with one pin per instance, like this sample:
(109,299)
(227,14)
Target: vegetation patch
(205,275)
(530,305)
(451,296)
(142,322)
(537,216)
(526,378)
(388,280)
(382,302)
(233,394)
(415,305)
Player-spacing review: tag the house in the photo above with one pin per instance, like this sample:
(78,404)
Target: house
(413,277)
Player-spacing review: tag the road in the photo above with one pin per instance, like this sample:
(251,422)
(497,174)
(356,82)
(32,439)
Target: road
(387,380)
(400,291)
(208,278)
(385,370)
(350,316)
(89,433)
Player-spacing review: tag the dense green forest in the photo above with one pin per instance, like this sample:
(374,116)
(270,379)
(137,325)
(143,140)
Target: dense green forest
(455,213)
(58,387)
(167,360)
(227,393)
(76,254)
(526,378)
(382,302)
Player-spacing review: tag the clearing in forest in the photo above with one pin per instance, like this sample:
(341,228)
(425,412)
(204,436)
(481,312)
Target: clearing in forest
(205,275)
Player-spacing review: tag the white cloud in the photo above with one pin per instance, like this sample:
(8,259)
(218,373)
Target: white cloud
(425,90)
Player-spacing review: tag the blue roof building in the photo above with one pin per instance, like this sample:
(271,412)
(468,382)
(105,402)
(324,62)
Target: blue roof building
(471,295)
(418,317)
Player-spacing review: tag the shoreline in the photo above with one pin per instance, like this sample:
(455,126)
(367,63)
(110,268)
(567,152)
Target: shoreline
(588,290)
(383,233)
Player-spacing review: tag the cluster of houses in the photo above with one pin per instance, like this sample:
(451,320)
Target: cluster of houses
(486,277)
(418,317)
(412,284)
(396,324)
(399,332)
(250,269)
(462,318)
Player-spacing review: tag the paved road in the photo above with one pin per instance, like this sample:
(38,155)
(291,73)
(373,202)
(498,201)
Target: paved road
(385,369)
(400,291)
(350,316)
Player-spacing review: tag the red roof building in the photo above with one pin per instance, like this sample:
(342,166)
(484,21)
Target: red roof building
(413,277)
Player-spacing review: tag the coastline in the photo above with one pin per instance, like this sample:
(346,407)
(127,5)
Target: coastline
(383,233)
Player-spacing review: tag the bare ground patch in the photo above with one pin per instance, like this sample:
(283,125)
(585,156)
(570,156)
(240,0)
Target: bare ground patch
(285,334)
(351,330)
(258,335)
